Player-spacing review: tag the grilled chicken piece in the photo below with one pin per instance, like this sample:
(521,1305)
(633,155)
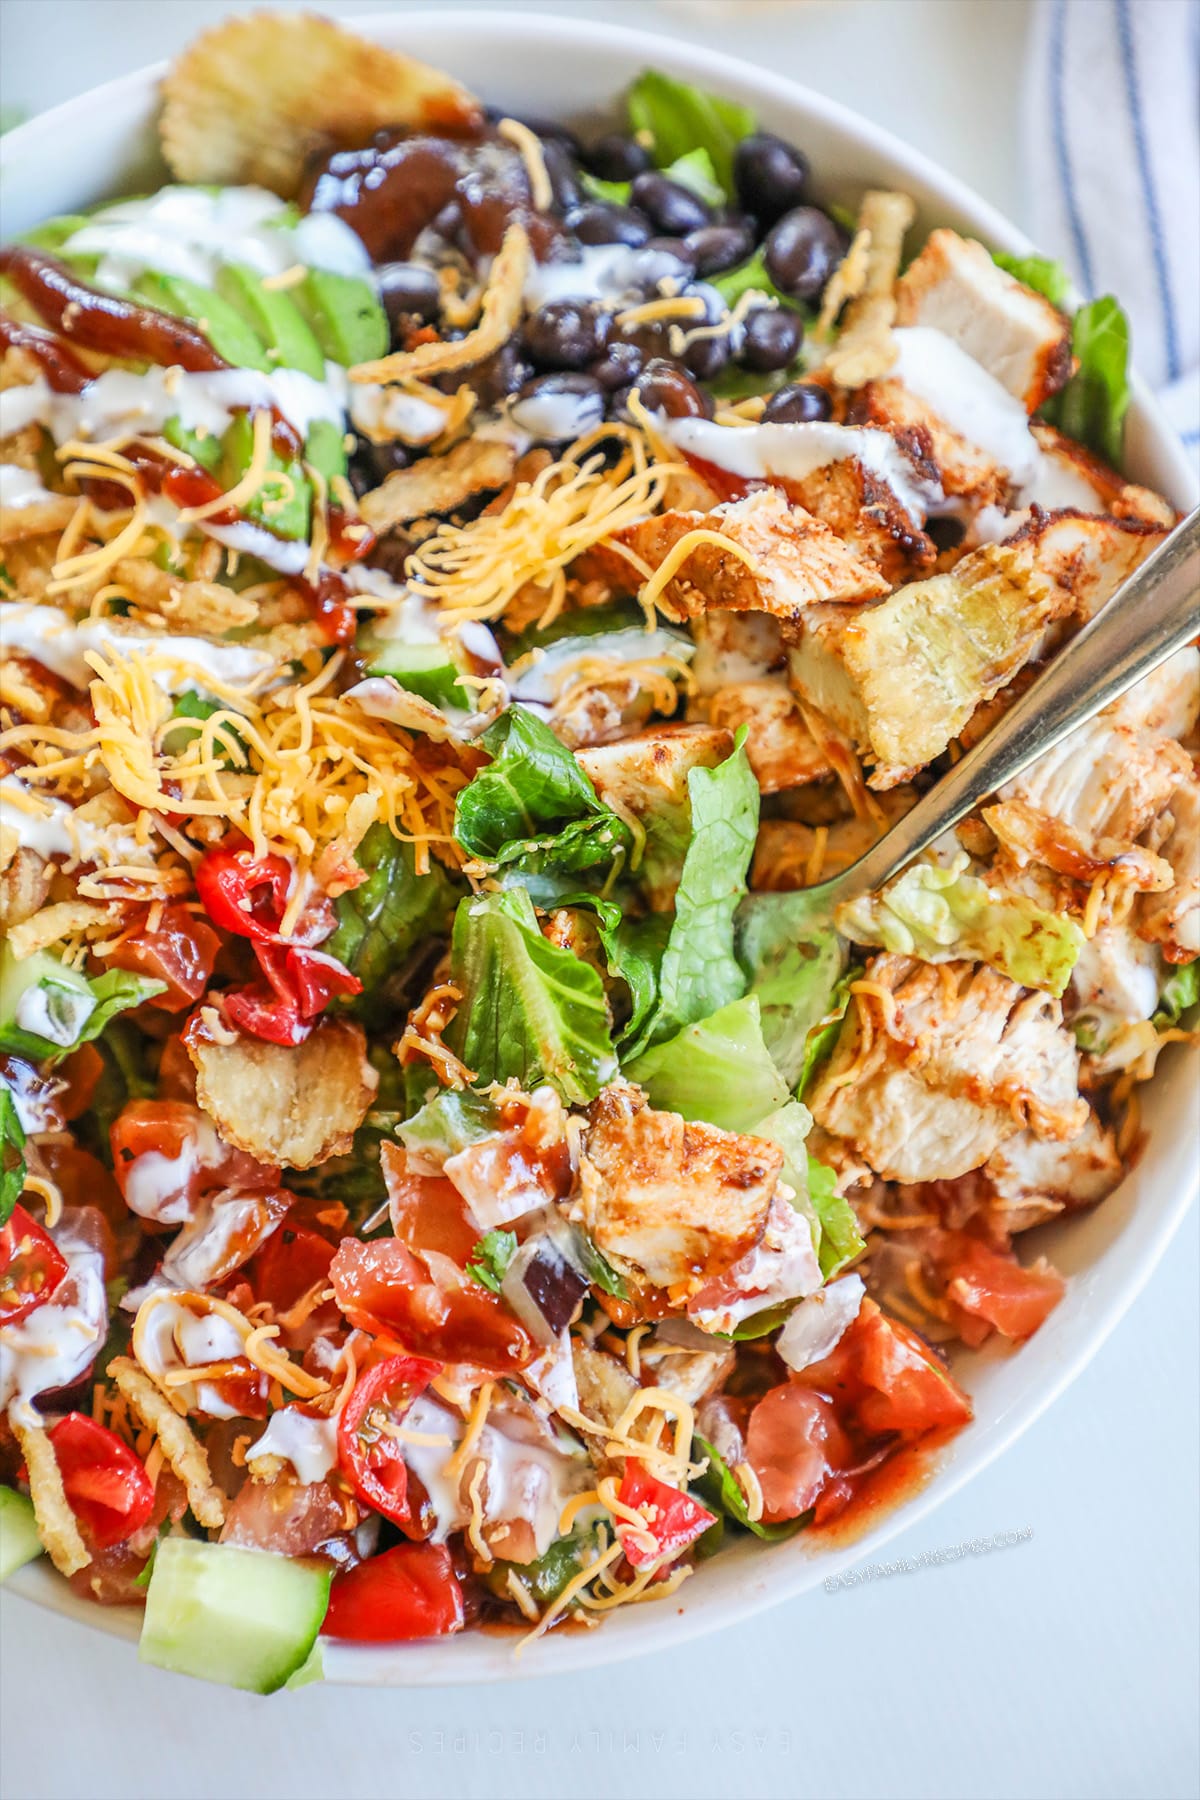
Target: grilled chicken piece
(693,1374)
(959,1059)
(902,678)
(1115,983)
(782,750)
(669,1202)
(734,647)
(1013,332)
(1085,559)
(1032,1177)
(647,776)
(1070,477)
(782,1266)
(965,470)
(789,559)
(866,514)
(1172,918)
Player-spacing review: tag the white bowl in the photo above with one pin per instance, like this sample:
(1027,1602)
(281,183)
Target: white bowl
(103,144)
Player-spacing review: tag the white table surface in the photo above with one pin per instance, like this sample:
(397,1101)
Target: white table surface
(1065,1666)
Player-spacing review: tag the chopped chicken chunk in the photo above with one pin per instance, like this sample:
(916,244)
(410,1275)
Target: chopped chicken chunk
(692,1373)
(902,678)
(1086,559)
(1015,333)
(1033,1177)
(733,648)
(1069,476)
(783,752)
(953,1061)
(789,559)
(782,1266)
(1172,918)
(865,513)
(1114,984)
(647,776)
(964,470)
(667,1201)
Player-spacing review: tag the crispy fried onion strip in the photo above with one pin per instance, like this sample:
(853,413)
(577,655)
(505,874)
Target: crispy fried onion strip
(180,1445)
(55,1520)
(499,317)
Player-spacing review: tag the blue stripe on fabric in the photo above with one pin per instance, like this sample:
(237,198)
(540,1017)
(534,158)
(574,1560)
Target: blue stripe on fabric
(1061,152)
(1149,192)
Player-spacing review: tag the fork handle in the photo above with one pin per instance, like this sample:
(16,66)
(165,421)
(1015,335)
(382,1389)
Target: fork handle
(1151,615)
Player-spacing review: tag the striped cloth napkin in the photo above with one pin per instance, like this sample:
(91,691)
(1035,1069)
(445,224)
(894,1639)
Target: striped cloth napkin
(1112,140)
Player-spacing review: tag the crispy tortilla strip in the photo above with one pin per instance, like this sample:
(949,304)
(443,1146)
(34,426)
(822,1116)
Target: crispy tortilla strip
(180,1445)
(438,484)
(499,317)
(866,349)
(252,99)
(55,1520)
(295,1105)
(53,923)
(39,517)
(203,606)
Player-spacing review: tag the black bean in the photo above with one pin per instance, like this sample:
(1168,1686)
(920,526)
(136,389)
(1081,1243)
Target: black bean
(802,251)
(620,365)
(566,334)
(617,157)
(559,407)
(665,388)
(708,356)
(771,338)
(651,336)
(801,403)
(599,222)
(564,174)
(671,207)
(499,375)
(718,247)
(771,176)
(408,291)
(549,130)
(660,259)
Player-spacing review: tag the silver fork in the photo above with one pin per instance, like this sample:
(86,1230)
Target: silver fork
(1150,616)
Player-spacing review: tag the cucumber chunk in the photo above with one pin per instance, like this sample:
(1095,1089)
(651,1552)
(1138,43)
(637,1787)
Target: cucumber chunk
(246,1618)
(423,669)
(19,1540)
(275,318)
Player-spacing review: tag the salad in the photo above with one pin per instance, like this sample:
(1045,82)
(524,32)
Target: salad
(460,584)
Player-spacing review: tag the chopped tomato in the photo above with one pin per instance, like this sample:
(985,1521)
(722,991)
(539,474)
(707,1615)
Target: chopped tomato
(794,1444)
(427,1211)
(409,1592)
(369,1454)
(673,1519)
(184,1158)
(993,1289)
(107,1487)
(427,1305)
(244,896)
(290,1517)
(314,979)
(31,1266)
(883,1377)
(260,1012)
(290,1263)
(181,951)
(83,1180)
(81,1071)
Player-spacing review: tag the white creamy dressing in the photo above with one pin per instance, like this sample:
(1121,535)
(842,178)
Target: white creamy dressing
(156,1185)
(53,1345)
(122,402)
(530,1481)
(560,418)
(384,413)
(191,231)
(817,1324)
(51,637)
(782,1266)
(177,1338)
(550,670)
(309,1443)
(970,400)
(604,273)
(55,829)
(793,452)
(21,487)
(54,1011)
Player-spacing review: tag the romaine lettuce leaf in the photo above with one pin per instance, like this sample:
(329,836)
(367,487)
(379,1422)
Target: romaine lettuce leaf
(382,922)
(446,1124)
(841,1240)
(529,1009)
(718,1069)
(818,1045)
(532,807)
(792,969)
(79,1006)
(942,913)
(1092,406)
(12,1153)
(695,171)
(1180,993)
(1041,273)
(718,1488)
(751,274)
(680,118)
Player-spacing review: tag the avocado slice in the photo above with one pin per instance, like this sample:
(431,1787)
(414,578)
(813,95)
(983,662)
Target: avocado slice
(222,324)
(346,318)
(286,517)
(205,450)
(325,449)
(274,317)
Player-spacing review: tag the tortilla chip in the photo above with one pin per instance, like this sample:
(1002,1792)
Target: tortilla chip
(293,1105)
(180,1445)
(253,98)
(55,1520)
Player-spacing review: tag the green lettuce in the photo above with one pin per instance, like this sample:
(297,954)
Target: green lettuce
(453,1119)
(735,282)
(1041,273)
(12,1153)
(83,1005)
(718,1069)
(384,921)
(532,807)
(719,1490)
(940,914)
(529,1010)
(818,1045)
(1180,993)
(793,970)
(1091,408)
(841,1240)
(680,118)
(490,1258)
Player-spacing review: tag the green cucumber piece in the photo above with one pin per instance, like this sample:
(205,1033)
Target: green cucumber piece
(222,324)
(325,449)
(347,320)
(246,1618)
(19,1540)
(423,669)
(286,517)
(275,318)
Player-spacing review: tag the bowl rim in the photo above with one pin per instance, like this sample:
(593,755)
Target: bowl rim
(478,1657)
